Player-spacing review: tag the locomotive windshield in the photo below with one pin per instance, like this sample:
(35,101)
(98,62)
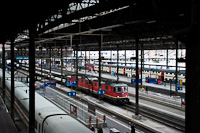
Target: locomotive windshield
(118,89)
(121,89)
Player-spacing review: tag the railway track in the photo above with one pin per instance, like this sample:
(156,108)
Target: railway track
(163,118)
(171,121)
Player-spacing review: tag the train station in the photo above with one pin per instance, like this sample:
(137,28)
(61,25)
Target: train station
(103,66)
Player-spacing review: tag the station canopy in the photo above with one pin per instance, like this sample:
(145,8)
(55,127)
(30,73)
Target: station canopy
(86,22)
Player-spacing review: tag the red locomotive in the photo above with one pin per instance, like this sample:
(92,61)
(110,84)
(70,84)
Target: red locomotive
(116,92)
(91,67)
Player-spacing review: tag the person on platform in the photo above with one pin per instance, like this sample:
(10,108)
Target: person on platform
(92,128)
(99,130)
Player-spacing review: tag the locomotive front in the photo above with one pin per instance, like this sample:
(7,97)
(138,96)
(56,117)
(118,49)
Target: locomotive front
(120,92)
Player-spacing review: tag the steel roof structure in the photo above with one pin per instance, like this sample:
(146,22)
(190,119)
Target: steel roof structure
(118,21)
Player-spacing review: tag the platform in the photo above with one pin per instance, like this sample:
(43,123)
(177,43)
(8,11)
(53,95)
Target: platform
(6,123)
(149,104)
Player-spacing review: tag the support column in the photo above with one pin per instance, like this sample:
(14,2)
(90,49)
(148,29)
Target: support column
(100,43)
(3,70)
(117,63)
(76,68)
(192,86)
(50,62)
(85,60)
(142,58)
(89,55)
(136,85)
(18,52)
(41,61)
(61,56)
(167,59)
(176,74)
(12,81)
(192,71)
(125,56)
(25,52)
(111,55)
(32,79)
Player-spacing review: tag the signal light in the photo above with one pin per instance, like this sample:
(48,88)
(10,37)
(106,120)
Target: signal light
(90,118)
(104,117)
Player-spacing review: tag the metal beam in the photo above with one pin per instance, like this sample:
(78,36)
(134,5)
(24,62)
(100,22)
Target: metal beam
(32,31)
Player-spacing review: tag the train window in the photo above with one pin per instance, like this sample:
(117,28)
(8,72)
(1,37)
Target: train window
(82,81)
(118,89)
(95,84)
(106,87)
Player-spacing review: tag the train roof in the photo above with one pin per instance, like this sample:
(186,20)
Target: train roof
(67,125)
(112,83)
(118,84)
(93,78)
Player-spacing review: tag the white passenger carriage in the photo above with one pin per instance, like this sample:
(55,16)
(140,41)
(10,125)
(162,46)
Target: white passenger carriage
(48,117)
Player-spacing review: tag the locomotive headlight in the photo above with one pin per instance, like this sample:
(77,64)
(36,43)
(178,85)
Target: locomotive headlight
(126,96)
(117,96)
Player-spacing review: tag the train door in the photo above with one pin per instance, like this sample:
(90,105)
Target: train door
(162,75)
(112,90)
